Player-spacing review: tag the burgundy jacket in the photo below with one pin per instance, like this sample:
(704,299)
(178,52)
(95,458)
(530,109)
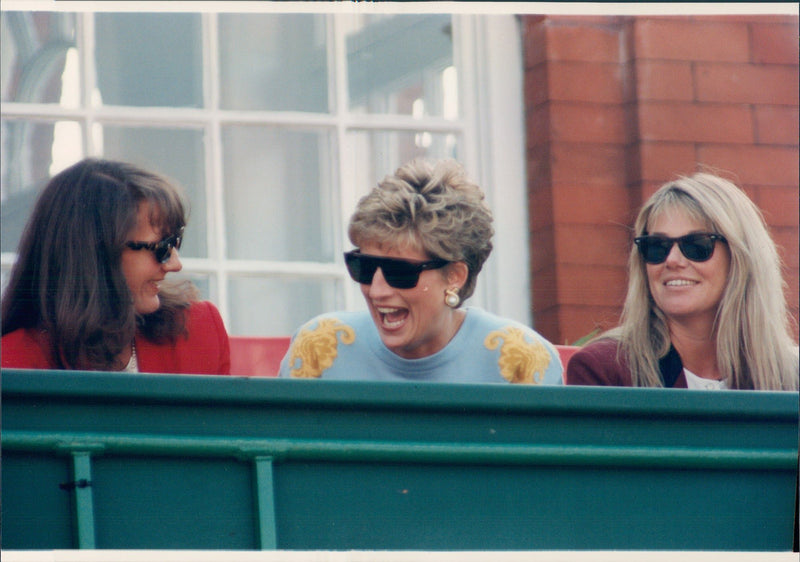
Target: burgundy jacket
(597,364)
(205,351)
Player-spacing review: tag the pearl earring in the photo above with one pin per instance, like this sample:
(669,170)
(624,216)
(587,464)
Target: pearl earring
(451,298)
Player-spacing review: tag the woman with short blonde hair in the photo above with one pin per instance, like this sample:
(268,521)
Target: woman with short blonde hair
(421,236)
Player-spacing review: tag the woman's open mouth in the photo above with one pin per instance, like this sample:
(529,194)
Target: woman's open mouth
(392,318)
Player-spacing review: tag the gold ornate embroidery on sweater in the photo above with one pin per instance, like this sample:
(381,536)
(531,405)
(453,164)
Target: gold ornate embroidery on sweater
(317,349)
(520,361)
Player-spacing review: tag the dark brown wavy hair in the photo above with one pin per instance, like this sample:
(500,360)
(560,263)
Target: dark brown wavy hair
(68,280)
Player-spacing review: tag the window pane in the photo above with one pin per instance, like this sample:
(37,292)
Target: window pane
(277,307)
(402,64)
(174,153)
(149,59)
(371,155)
(273,62)
(34,49)
(5,275)
(32,152)
(278,203)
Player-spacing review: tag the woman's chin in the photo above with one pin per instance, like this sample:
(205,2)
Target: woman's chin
(147,306)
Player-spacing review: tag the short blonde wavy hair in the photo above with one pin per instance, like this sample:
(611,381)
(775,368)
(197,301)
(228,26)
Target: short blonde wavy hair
(430,206)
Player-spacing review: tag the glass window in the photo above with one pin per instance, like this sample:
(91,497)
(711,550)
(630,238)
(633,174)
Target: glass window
(287,301)
(273,61)
(34,49)
(32,151)
(149,59)
(273,123)
(277,194)
(396,64)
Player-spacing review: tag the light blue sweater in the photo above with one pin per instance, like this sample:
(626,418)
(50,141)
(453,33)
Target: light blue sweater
(486,349)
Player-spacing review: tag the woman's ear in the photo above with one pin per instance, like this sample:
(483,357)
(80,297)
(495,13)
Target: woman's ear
(457,273)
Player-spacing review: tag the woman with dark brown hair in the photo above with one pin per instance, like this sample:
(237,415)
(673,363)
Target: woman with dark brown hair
(89,288)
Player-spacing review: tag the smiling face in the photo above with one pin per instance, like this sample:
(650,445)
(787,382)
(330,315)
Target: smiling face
(416,322)
(686,290)
(142,271)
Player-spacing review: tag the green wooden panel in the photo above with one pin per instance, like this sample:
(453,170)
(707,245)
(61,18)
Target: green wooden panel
(34,507)
(165,502)
(240,463)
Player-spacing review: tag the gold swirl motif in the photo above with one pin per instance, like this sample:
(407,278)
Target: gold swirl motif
(317,349)
(520,361)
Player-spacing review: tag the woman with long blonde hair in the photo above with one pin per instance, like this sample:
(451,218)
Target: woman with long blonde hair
(705,306)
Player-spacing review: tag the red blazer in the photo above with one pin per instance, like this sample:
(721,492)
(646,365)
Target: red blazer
(596,364)
(205,351)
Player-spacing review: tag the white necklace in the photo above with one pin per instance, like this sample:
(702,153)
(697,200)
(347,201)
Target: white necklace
(133,363)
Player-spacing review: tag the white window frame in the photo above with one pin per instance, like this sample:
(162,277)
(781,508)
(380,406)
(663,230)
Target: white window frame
(500,156)
(491,140)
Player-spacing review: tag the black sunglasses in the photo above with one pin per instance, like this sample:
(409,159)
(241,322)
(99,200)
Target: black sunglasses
(162,249)
(399,273)
(696,247)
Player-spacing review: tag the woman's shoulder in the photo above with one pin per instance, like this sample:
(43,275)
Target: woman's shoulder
(330,343)
(202,311)
(602,352)
(204,317)
(18,335)
(341,327)
(487,323)
(599,363)
(25,349)
(353,319)
(204,348)
(600,348)
(477,315)
(522,354)
(23,337)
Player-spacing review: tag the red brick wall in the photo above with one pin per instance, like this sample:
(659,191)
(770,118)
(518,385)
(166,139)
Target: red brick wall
(616,106)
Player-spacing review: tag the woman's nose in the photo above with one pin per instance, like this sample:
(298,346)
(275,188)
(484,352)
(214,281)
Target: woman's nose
(174,261)
(379,286)
(675,256)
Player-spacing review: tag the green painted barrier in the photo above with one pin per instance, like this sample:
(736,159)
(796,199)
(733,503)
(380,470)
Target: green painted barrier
(117,461)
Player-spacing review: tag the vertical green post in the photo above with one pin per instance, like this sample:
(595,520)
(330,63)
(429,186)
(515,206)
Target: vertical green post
(265,503)
(84,502)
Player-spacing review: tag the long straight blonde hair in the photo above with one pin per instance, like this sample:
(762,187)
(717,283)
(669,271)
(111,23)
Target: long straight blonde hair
(753,328)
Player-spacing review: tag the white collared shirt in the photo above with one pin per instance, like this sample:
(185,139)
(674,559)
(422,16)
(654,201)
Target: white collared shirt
(699,383)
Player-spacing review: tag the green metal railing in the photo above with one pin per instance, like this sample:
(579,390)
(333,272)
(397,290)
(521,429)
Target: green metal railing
(578,439)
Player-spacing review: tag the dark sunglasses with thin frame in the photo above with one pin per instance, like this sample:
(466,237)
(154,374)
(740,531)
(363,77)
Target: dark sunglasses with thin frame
(161,249)
(698,246)
(399,273)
